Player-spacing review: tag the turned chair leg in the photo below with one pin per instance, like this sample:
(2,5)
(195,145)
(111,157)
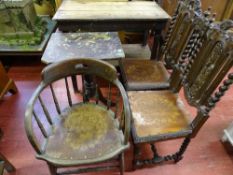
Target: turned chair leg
(136,156)
(179,154)
(7,165)
(52,169)
(122,164)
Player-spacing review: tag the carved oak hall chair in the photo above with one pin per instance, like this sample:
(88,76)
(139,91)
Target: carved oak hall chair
(159,115)
(139,74)
(67,130)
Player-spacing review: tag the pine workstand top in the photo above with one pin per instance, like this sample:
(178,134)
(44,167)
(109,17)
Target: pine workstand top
(137,10)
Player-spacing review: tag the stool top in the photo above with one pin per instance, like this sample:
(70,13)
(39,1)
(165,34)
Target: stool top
(100,45)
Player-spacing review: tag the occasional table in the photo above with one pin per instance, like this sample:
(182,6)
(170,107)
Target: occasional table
(112,16)
(100,45)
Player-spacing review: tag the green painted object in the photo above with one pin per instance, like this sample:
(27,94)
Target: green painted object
(20,24)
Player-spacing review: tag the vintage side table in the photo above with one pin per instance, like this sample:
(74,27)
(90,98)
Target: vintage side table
(100,45)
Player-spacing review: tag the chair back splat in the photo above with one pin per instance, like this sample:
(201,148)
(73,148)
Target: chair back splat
(206,71)
(200,25)
(67,129)
(180,29)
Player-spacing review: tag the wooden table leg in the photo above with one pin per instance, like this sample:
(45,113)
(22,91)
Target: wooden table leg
(156,45)
(90,90)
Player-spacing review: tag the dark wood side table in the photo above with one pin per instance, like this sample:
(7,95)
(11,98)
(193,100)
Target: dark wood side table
(99,45)
(113,16)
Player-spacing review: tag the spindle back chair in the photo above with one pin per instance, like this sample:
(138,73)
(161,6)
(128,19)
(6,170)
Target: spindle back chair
(160,115)
(141,74)
(66,129)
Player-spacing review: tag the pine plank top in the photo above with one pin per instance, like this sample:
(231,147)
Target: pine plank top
(134,10)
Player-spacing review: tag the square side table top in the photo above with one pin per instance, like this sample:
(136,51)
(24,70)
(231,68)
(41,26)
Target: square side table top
(100,45)
(121,11)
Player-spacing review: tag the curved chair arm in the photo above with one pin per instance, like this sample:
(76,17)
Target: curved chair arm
(127,113)
(70,67)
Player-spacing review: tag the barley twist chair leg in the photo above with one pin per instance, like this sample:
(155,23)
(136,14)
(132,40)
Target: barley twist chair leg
(183,148)
(52,169)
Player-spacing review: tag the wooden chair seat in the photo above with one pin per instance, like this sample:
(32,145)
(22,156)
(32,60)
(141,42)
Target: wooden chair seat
(157,114)
(84,133)
(144,74)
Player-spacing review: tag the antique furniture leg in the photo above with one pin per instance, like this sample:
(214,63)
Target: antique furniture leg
(90,90)
(145,37)
(6,84)
(9,167)
(122,165)
(3,160)
(52,169)
(136,155)
(159,159)
(157,41)
(182,149)
(1,167)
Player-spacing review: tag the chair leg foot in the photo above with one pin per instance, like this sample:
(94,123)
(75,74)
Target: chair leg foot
(52,169)
(122,164)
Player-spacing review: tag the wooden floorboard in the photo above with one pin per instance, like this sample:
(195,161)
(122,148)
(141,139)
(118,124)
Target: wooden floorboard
(206,155)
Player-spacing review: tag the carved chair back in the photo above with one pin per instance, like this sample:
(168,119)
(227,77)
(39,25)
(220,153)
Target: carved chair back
(179,31)
(201,23)
(206,70)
